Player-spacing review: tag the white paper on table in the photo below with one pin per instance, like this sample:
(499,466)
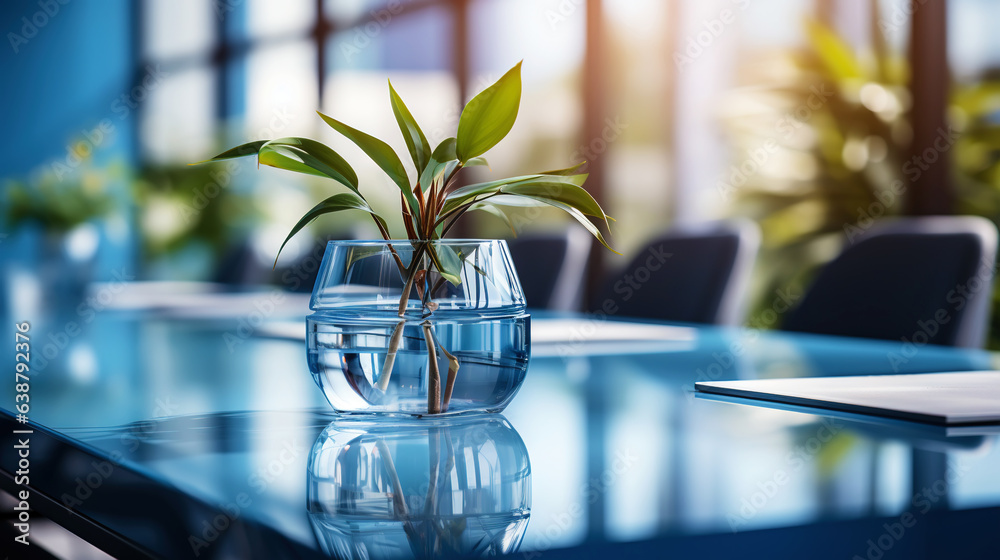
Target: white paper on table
(952,398)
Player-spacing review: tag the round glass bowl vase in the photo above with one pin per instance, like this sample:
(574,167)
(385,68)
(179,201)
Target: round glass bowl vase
(458,341)
(441,487)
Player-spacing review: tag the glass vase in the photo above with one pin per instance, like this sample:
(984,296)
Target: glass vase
(418,327)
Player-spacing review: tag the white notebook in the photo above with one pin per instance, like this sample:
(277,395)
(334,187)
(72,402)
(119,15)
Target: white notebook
(954,398)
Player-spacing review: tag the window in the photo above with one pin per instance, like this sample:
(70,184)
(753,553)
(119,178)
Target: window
(240,70)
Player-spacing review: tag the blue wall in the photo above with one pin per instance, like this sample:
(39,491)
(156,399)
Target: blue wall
(64,64)
(63,79)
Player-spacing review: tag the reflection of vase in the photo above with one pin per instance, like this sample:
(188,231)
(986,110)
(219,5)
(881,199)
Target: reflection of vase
(369,359)
(407,488)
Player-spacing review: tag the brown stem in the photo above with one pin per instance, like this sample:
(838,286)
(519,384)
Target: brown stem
(453,366)
(395,257)
(447,183)
(434,376)
(426,217)
(407,287)
(407,218)
(381,228)
(443,217)
(385,235)
(397,333)
(392,250)
(390,356)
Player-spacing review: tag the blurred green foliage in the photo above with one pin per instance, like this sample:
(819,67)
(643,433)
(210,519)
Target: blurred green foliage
(59,203)
(179,205)
(820,137)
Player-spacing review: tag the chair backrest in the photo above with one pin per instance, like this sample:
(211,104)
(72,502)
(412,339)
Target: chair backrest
(930,275)
(551,267)
(692,274)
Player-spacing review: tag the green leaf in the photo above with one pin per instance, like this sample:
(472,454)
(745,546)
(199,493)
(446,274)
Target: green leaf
(465,255)
(447,262)
(477,161)
(495,211)
(462,195)
(481,188)
(578,216)
(444,153)
(568,171)
(381,154)
(356,253)
(416,142)
(278,159)
(513,200)
(304,155)
(489,116)
(568,194)
(447,167)
(466,194)
(444,169)
(336,203)
(833,51)
(243,150)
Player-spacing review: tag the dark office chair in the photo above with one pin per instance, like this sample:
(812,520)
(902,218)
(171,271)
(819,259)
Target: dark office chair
(903,277)
(551,267)
(690,274)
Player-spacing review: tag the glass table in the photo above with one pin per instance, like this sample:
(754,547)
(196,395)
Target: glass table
(199,436)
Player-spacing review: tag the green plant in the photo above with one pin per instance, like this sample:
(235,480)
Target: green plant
(839,127)
(174,212)
(433,203)
(59,204)
(834,129)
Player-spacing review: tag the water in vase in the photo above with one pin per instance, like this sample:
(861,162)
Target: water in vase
(346,355)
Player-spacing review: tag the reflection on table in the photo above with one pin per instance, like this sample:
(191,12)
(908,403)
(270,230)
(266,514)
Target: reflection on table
(620,449)
(410,488)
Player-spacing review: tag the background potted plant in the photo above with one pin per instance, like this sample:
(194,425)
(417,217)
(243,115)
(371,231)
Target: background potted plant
(182,239)
(455,304)
(841,123)
(62,213)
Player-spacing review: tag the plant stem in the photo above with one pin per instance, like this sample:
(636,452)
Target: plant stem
(411,273)
(434,405)
(390,357)
(434,376)
(453,366)
(397,333)
(407,218)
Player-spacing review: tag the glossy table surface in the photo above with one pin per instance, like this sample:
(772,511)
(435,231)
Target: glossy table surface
(148,425)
